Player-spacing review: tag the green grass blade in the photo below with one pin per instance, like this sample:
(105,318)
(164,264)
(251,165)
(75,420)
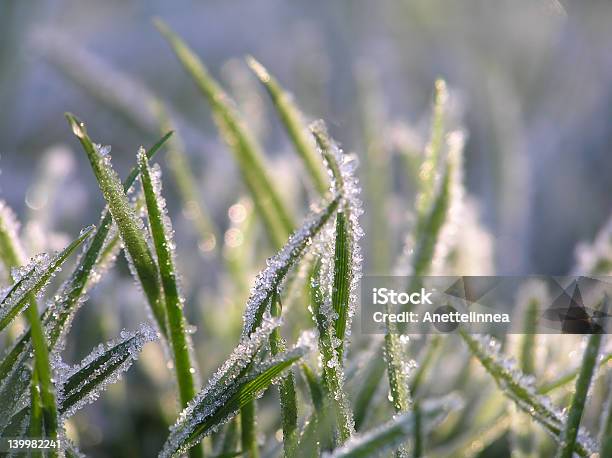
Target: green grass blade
(220,401)
(517,387)
(31,281)
(569,435)
(342,279)
(389,435)
(36,426)
(333,376)
(82,384)
(314,386)
(566,379)
(248,433)
(528,343)
(247,152)
(291,118)
(270,278)
(161,231)
(288,401)
(398,378)
(367,390)
(33,278)
(129,225)
(433,346)
(433,150)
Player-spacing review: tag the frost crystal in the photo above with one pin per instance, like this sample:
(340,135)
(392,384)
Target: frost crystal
(82,383)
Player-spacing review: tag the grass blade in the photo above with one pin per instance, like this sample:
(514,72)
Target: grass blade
(247,152)
(367,391)
(222,398)
(390,435)
(129,225)
(342,280)
(270,278)
(288,401)
(519,388)
(570,432)
(566,379)
(291,118)
(82,384)
(161,231)
(333,377)
(32,278)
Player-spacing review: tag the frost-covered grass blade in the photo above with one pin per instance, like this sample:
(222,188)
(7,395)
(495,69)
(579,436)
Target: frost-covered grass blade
(82,384)
(129,225)
(571,427)
(32,278)
(520,389)
(235,385)
(279,265)
(161,231)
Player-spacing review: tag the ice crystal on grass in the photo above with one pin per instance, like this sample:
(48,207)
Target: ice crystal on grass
(82,383)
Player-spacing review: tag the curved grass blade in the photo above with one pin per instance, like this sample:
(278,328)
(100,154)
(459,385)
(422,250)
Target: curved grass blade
(391,434)
(129,225)
(291,118)
(33,278)
(278,266)
(566,379)
(247,152)
(519,388)
(82,384)
(220,401)
(570,432)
